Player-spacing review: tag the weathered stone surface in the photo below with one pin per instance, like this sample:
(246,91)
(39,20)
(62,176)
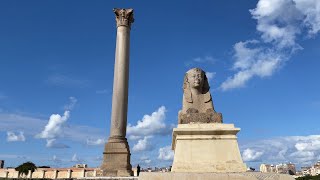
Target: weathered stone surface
(213,176)
(196,117)
(197,106)
(116,156)
(206,148)
(124,17)
(110,178)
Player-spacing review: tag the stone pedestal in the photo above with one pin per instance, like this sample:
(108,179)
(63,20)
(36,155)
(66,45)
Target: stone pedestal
(213,176)
(211,147)
(116,158)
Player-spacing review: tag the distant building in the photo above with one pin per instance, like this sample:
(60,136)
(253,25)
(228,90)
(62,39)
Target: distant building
(292,169)
(156,169)
(267,168)
(306,171)
(80,166)
(299,174)
(1,164)
(315,169)
(282,169)
(165,169)
(289,168)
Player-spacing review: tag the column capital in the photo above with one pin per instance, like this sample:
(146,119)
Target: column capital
(124,17)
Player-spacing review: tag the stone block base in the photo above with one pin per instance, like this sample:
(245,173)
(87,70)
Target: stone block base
(213,176)
(109,178)
(211,147)
(116,158)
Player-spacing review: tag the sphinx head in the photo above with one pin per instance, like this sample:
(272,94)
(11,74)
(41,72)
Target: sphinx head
(196,79)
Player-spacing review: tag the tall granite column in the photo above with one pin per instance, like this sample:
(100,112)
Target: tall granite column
(116,155)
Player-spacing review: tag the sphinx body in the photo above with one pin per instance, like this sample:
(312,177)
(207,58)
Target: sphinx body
(197,106)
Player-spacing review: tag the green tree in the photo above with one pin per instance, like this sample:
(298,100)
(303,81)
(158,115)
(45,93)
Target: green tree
(309,177)
(25,167)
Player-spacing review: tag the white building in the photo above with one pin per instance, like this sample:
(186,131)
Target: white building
(267,168)
(282,169)
(288,168)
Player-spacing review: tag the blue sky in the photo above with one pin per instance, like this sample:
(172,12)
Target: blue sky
(56,75)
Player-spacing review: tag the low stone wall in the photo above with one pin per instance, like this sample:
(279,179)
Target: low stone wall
(51,173)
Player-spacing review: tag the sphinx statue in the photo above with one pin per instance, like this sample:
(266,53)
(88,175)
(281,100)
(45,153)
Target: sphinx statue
(197,106)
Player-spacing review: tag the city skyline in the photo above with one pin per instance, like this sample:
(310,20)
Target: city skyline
(56,75)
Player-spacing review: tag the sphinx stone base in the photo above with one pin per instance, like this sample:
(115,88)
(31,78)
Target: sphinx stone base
(213,176)
(211,147)
(116,158)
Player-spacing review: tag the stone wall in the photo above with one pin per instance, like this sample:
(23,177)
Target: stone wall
(52,173)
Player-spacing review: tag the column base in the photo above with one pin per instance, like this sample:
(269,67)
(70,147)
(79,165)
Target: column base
(116,158)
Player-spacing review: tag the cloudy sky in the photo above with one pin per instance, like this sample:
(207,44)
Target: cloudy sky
(262,58)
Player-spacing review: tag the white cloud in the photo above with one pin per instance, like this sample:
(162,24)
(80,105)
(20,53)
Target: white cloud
(29,125)
(52,143)
(311,144)
(103,91)
(252,61)
(206,59)
(150,125)
(311,9)
(147,161)
(95,142)
(66,81)
(304,157)
(72,103)
(284,15)
(280,23)
(54,127)
(251,155)
(75,158)
(133,137)
(82,133)
(296,149)
(11,136)
(244,56)
(165,153)
(55,159)
(143,145)
(144,157)
(98,158)
(210,75)
(13,156)
(13,122)
(301,146)
(201,60)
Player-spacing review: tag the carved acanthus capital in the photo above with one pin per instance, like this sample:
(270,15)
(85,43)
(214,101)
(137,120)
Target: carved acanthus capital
(124,17)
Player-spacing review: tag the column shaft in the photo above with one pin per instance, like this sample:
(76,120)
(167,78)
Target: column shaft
(120,83)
